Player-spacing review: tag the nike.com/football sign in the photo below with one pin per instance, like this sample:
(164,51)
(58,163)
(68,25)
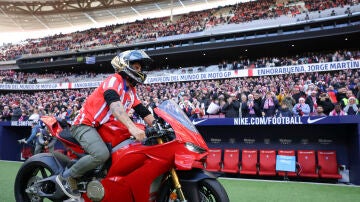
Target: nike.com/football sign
(278,120)
(267,121)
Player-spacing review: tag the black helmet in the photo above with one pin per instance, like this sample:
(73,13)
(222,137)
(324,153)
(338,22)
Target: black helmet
(122,63)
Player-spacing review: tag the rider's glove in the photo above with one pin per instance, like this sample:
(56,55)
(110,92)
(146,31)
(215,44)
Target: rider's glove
(150,131)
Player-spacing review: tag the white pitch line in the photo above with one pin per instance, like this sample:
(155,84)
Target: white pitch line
(280,181)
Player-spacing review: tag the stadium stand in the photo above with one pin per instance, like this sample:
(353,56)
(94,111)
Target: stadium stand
(261,12)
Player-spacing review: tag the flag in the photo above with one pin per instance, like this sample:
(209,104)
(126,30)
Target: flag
(90,60)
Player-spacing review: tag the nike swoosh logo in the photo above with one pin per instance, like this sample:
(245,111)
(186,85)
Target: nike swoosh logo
(197,122)
(314,120)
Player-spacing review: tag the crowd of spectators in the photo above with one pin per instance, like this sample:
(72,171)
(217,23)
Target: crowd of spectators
(319,5)
(307,94)
(18,77)
(23,106)
(299,59)
(150,29)
(280,95)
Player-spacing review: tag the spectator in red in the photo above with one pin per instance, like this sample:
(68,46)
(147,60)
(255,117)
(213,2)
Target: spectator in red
(332,94)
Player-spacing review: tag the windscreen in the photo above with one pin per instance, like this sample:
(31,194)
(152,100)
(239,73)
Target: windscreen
(177,113)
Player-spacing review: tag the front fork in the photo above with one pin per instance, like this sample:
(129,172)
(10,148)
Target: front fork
(175,179)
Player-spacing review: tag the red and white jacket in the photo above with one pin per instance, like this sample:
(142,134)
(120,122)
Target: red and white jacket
(95,112)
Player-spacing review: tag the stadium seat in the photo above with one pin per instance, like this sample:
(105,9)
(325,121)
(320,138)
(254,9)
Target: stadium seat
(327,164)
(267,162)
(213,160)
(286,153)
(231,161)
(307,164)
(249,162)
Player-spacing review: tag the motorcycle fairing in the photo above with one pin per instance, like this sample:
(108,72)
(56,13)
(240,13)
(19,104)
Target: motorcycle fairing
(183,134)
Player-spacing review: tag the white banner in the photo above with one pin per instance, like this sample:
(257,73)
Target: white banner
(197,76)
(315,67)
(92,84)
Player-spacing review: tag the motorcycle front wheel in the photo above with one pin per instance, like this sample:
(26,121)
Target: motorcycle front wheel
(208,190)
(25,183)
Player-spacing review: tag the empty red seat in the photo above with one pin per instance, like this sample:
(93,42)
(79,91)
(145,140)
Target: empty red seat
(267,162)
(307,164)
(286,153)
(249,162)
(328,166)
(213,160)
(231,161)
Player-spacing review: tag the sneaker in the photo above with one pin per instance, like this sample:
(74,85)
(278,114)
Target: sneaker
(68,186)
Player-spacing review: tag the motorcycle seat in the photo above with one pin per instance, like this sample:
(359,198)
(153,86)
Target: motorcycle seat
(66,134)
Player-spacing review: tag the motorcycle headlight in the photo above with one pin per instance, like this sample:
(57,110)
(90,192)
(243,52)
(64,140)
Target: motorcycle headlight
(194,148)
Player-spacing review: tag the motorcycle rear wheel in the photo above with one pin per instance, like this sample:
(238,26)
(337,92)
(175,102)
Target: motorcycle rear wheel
(28,175)
(209,190)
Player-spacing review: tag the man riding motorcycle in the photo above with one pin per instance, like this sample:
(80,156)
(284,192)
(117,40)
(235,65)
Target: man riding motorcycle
(109,102)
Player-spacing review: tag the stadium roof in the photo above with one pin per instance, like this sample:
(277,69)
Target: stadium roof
(35,15)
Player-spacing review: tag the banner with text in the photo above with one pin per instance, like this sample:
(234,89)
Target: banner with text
(255,121)
(315,67)
(197,76)
(304,68)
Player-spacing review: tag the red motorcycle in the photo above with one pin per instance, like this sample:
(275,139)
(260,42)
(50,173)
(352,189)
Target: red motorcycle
(166,167)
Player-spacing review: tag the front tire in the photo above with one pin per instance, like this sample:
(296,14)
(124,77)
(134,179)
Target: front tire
(206,190)
(212,190)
